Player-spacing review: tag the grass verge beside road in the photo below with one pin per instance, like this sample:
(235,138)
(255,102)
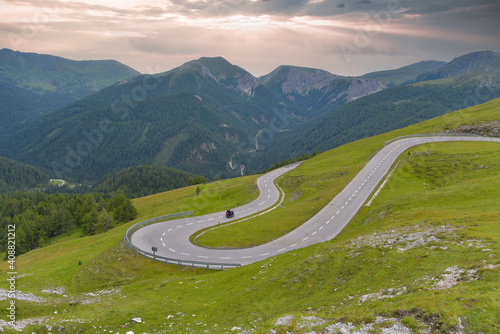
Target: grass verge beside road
(312,185)
(426,252)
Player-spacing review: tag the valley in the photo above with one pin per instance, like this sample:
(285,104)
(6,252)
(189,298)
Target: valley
(250,167)
(427,237)
(210,117)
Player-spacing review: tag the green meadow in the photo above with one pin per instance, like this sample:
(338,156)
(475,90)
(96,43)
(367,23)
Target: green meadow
(425,252)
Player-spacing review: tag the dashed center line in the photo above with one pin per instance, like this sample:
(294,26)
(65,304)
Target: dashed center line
(353,196)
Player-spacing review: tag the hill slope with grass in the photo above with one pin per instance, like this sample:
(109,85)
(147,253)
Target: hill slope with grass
(423,256)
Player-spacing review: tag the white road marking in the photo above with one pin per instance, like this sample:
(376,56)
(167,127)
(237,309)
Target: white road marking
(225,258)
(203,257)
(291,246)
(305,238)
(172,250)
(170,230)
(246,257)
(280,250)
(186,254)
(262,203)
(164,244)
(264,254)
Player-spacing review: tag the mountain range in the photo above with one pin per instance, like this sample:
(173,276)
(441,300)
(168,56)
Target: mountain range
(211,117)
(33,84)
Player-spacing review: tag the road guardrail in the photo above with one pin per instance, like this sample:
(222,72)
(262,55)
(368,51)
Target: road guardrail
(178,262)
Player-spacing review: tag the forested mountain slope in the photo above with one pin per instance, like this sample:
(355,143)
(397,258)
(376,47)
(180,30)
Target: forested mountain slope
(34,84)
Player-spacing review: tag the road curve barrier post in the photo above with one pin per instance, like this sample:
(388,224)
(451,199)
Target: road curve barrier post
(154,257)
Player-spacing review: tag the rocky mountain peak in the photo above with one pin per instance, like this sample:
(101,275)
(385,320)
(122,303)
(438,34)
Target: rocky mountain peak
(298,80)
(224,74)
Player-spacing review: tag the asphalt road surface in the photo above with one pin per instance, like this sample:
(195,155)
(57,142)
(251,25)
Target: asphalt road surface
(172,237)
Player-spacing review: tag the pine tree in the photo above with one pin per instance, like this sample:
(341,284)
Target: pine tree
(42,238)
(105,221)
(91,222)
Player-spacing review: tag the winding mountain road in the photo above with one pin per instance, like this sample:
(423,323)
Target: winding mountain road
(172,237)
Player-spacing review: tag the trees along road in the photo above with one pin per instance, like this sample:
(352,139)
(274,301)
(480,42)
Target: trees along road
(172,237)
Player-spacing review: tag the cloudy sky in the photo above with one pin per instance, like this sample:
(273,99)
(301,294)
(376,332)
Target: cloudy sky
(347,37)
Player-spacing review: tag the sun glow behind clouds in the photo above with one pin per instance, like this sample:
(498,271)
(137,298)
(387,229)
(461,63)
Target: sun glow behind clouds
(244,22)
(234,22)
(259,33)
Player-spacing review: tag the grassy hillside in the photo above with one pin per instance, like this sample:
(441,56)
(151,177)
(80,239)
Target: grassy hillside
(424,255)
(311,186)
